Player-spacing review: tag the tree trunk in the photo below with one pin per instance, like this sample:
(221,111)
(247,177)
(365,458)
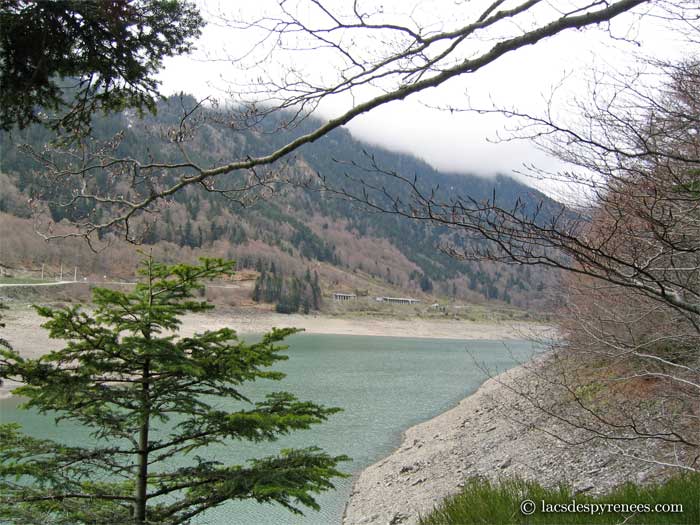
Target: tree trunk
(142,475)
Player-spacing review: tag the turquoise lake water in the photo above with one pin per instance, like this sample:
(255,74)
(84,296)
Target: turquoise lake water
(384,384)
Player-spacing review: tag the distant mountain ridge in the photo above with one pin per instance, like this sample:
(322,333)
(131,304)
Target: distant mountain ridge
(300,229)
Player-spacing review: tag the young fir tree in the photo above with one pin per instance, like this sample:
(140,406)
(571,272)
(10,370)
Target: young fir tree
(151,398)
(4,344)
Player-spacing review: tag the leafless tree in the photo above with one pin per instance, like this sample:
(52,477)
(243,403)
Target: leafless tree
(376,56)
(627,369)
(637,157)
(624,375)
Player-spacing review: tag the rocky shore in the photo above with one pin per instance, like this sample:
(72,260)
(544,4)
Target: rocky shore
(493,433)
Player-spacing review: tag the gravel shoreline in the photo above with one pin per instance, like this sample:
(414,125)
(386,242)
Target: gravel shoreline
(484,436)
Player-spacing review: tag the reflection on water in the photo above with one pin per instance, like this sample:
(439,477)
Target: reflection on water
(384,385)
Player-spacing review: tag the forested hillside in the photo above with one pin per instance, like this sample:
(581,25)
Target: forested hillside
(296,228)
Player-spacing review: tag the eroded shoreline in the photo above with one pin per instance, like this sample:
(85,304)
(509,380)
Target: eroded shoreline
(493,433)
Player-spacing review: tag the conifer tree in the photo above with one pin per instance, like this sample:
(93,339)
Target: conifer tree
(105,54)
(4,344)
(153,403)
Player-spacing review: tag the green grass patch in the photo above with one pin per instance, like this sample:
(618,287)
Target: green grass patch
(22,280)
(484,502)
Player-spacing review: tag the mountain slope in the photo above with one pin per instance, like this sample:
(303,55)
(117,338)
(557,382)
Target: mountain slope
(297,229)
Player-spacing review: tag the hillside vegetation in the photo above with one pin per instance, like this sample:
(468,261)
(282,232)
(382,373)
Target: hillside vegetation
(298,230)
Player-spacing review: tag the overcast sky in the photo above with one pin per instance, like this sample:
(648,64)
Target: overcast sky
(459,142)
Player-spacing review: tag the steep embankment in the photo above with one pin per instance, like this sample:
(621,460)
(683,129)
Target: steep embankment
(493,433)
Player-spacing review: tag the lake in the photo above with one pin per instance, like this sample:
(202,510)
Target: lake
(384,385)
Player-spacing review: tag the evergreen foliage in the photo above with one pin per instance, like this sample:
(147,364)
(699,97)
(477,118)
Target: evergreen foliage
(291,294)
(426,284)
(152,400)
(105,53)
(4,344)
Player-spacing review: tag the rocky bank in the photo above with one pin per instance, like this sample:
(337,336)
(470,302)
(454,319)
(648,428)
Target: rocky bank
(485,435)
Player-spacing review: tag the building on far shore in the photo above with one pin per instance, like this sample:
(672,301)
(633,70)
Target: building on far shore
(337,296)
(398,300)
